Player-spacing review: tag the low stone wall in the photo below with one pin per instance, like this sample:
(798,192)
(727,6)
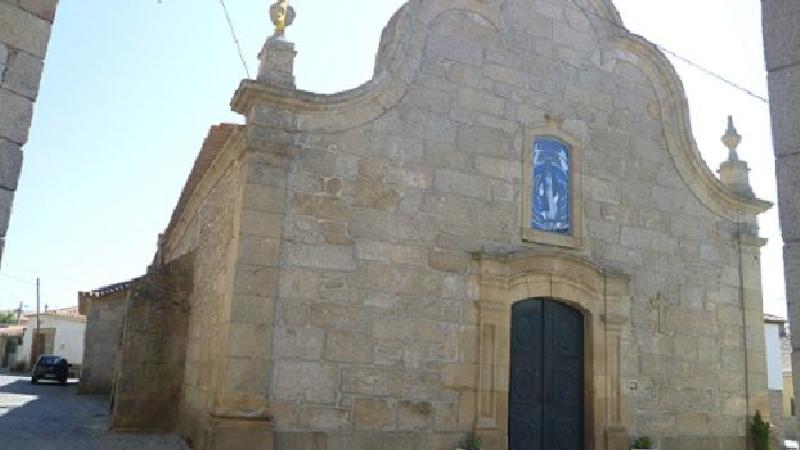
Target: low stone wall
(154,336)
(102,343)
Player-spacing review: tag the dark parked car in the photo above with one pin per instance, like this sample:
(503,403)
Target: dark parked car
(50,367)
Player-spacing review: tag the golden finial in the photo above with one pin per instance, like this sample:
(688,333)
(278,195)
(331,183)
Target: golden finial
(282,16)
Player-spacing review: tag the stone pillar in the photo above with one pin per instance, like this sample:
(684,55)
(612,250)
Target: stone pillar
(277,63)
(782,47)
(240,416)
(277,55)
(241,410)
(24,34)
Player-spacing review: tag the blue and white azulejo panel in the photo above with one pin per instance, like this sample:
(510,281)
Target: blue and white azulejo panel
(551,186)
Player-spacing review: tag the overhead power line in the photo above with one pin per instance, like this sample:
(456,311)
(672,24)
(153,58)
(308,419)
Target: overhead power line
(235,39)
(686,60)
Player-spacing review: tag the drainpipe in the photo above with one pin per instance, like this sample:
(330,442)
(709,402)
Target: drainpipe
(744,325)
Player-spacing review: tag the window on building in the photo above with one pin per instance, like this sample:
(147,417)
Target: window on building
(551,196)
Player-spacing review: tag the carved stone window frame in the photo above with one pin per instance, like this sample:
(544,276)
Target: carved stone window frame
(604,301)
(553,129)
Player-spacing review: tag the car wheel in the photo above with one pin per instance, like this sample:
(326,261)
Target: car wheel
(63,381)
(34,380)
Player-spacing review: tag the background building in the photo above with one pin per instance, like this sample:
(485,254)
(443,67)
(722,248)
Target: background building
(63,335)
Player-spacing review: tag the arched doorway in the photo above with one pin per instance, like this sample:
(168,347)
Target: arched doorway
(546,394)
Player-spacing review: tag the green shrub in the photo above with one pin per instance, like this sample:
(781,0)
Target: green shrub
(643,442)
(471,442)
(760,431)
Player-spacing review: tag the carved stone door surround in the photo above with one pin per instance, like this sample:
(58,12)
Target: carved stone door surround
(602,297)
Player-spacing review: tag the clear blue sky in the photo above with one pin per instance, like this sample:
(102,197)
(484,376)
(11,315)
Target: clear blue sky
(131,87)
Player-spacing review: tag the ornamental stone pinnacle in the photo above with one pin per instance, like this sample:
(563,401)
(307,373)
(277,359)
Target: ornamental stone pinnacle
(732,139)
(734,172)
(277,56)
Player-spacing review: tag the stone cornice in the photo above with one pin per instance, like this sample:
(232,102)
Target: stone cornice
(674,112)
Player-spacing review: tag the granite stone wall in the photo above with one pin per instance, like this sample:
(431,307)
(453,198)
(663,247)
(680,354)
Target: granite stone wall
(24,34)
(782,45)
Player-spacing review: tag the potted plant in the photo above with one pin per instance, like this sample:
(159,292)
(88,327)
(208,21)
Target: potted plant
(760,431)
(643,443)
(471,442)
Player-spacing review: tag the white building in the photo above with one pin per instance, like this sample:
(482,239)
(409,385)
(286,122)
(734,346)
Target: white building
(64,335)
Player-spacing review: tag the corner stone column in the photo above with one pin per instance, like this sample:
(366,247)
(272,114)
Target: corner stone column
(240,415)
(782,46)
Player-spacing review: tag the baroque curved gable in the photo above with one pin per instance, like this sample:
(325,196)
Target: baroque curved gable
(402,52)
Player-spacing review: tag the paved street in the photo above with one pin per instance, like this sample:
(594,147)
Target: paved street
(50,416)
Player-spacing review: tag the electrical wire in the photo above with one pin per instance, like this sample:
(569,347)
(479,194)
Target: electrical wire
(235,39)
(675,55)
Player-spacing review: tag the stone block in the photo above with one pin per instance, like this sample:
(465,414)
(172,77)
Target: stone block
(382,277)
(372,381)
(348,347)
(375,194)
(791,257)
(462,183)
(16,113)
(333,316)
(251,309)
(330,257)
(449,261)
(328,419)
(6,201)
(788,174)
(45,9)
(264,198)
(10,165)
(291,440)
(22,30)
(503,169)
(22,75)
(297,283)
(479,101)
(255,280)
(303,343)
(374,415)
(335,233)
(781,19)
(484,140)
(3,59)
(657,423)
(414,416)
(374,441)
(311,382)
(784,97)
(258,251)
(261,224)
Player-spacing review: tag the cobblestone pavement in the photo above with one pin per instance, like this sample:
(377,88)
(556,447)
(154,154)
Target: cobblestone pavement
(49,416)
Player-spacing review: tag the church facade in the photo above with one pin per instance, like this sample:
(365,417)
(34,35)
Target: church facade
(508,231)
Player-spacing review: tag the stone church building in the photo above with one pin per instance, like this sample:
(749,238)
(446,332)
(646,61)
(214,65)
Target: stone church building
(509,230)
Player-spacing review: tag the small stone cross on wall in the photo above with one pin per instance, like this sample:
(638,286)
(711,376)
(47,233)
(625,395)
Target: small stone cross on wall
(660,304)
